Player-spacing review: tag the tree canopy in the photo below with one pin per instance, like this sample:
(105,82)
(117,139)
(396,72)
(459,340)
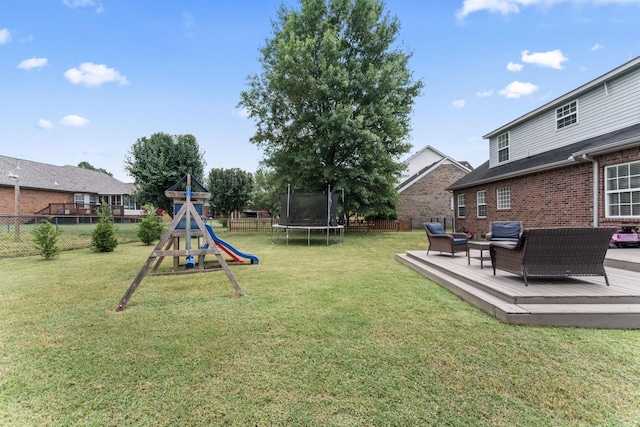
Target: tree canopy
(333,102)
(158,162)
(230,189)
(87,165)
(266,190)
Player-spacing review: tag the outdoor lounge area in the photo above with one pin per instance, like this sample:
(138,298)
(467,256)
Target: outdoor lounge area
(584,301)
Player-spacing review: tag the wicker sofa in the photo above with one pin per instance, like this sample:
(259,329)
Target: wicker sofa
(554,252)
(440,240)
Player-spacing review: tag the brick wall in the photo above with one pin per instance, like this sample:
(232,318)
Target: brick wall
(427,198)
(557,198)
(31,201)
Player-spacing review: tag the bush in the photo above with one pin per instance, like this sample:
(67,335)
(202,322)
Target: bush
(104,238)
(46,237)
(150,228)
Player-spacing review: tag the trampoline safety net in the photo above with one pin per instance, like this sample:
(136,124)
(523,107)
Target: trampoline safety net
(308,209)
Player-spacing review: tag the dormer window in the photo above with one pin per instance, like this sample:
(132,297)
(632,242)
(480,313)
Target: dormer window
(567,115)
(503,147)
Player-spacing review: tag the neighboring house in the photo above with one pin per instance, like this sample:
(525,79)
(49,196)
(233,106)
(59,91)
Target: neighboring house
(423,187)
(61,190)
(575,161)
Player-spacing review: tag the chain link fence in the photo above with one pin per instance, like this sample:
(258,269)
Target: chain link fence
(17,238)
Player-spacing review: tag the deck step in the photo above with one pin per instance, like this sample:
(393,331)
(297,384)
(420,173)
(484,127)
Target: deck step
(583,311)
(492,304)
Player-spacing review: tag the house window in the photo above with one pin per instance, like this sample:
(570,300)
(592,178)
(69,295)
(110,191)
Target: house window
(79,200)
(503,147)
(623,190)
(567,115)
(481,201)
(460,205)
(503,197)
(130,203)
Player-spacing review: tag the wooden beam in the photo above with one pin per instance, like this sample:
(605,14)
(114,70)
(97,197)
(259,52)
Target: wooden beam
(169,239)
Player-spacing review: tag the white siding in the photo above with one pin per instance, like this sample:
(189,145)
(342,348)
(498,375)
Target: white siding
(599,111)
(419,161)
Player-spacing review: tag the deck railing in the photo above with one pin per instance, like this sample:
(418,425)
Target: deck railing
(264,224)
(78,209)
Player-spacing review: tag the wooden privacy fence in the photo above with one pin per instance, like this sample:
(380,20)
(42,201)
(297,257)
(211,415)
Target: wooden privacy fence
(264,224)
(379,225)
(250,224)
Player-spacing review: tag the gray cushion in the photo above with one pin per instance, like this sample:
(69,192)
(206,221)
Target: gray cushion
(505,230)
(436,228)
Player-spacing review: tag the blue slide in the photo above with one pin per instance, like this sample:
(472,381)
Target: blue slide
(224,245)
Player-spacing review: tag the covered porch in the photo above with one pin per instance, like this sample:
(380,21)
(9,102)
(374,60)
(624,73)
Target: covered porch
(573,301)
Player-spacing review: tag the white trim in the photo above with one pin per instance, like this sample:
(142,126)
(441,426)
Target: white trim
(478,204)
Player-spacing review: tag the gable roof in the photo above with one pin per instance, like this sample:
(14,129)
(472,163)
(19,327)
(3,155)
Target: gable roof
(569,96)
(70,179)
(444,159)
(563,156)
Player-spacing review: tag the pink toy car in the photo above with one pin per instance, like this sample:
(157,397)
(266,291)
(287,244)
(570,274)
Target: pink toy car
(626,236)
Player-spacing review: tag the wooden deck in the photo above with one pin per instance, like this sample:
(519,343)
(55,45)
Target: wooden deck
(574,301)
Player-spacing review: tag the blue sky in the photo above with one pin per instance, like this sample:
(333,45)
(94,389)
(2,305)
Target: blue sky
(82,80)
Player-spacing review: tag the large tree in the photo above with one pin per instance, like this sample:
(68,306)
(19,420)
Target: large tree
(158,162)
(230,189)
(333,102)
(266,190)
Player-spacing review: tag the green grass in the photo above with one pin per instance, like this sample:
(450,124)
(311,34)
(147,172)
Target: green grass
(338,335)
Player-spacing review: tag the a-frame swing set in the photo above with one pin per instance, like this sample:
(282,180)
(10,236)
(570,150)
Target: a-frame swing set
(193,226)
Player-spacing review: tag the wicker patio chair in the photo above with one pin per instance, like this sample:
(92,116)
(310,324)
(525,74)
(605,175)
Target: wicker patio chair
(554,252)
(440,240)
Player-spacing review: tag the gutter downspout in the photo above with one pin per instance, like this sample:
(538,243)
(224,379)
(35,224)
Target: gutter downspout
(596,206)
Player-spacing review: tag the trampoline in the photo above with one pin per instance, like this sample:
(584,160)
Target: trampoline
(307,212)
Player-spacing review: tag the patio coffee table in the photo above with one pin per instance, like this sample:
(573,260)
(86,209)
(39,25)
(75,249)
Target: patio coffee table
(479,245)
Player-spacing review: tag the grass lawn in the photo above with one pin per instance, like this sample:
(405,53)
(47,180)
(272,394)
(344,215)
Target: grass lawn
(338,335)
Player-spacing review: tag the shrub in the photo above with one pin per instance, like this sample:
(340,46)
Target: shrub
(150,228)
(104,238)
(46,237)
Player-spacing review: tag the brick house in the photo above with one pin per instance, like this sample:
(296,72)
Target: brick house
(423,187)
(61,190)
(575,161)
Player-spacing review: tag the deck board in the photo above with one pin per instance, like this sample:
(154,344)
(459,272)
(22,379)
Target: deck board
(583,301)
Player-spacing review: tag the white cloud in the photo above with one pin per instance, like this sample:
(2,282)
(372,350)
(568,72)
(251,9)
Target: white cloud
(28,64)
(5,36)
(512,66)
(552,59)
(240,112)
(458,103)
(44,124)
(597,46)
(484,94)
(518,89)
(501,6)
(91,74)
(73,4)
(78,3)
(73,120)
(506,7)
